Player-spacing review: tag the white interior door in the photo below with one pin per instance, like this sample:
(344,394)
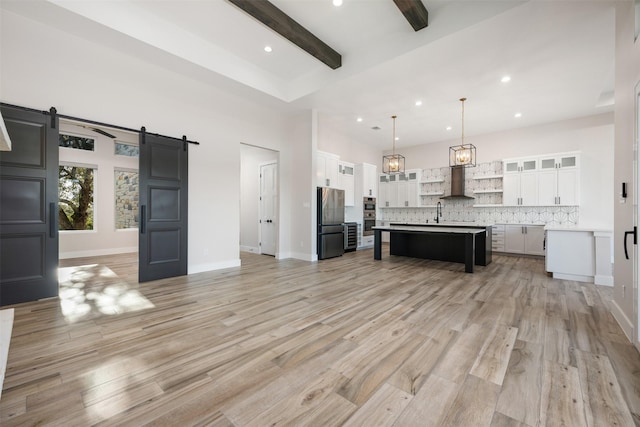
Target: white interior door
(268,208)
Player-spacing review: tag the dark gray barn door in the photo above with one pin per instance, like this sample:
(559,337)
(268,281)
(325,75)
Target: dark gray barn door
(29,208)
(163,207)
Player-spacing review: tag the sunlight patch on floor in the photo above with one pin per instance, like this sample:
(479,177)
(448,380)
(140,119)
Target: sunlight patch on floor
(94,290)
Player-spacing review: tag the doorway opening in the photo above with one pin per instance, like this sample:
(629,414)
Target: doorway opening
(259,200)
(98,216)
(98,188)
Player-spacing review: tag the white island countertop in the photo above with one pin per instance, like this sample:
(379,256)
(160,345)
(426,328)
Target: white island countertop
(428,229)
(444,224)
(580,227)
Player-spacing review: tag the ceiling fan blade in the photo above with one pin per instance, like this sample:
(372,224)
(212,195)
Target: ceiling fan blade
(101,132)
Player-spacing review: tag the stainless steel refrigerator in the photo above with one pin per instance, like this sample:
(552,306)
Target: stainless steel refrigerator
(330,222)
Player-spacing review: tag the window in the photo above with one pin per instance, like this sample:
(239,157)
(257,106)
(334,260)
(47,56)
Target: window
(77,142)
(129,150)
(75,190)
(126,194)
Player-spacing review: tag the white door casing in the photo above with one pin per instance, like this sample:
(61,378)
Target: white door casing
(635,253)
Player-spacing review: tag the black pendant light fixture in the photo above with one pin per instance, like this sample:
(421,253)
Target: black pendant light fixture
(395,162)
(464,154)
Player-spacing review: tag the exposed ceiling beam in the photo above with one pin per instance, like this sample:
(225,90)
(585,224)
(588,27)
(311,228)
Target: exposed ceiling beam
(415,12)
(283,24)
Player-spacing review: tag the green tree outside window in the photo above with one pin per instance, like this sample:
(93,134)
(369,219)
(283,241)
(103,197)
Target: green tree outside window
(75,189)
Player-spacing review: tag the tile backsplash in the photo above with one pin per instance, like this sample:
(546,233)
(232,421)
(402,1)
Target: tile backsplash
(454,210)
(488,203)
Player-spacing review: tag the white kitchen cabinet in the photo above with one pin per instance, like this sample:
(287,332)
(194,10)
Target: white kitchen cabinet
(559,179)
(497,237)
(366,180)
(524,239)
(520,182)
(346,181)
(400,190)
(413,188)
(383,191)
(327,169)
(514,166)
(520,189)
(392,196)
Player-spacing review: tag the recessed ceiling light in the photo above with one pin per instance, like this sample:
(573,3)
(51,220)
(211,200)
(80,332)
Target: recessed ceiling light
(359,119)
(505,79)
(397,138)
(337,2)
(267,49)
(517,115)
(418,103)
(449,128)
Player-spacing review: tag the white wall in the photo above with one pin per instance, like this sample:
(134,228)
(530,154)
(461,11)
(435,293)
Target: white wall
(104,239)
(250,160)
(349,150)
(592,136)
(112,87)
(302,187)
(627,77)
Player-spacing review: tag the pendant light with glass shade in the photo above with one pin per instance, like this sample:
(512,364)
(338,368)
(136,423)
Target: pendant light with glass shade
(393,163)
(463,155)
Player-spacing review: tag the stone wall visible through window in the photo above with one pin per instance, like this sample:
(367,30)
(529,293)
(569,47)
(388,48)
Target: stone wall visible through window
(128,150)
(126,199)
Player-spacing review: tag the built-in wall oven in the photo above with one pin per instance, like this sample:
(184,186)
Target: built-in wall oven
(369,216)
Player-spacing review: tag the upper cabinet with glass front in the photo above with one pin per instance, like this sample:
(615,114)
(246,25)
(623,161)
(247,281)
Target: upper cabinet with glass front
(559,179)
(550,180)
(520,165)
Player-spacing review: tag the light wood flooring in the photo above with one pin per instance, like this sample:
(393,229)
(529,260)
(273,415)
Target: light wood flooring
(347,341)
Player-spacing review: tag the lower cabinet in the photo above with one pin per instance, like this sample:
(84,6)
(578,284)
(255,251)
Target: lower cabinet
(497,237)
(524,239)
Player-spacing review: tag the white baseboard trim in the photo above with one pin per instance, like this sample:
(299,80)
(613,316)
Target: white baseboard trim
(97,252)
(6,324)
(253,249)
(574,277)
(201,268)
(623,321)
(298,255)
(603,280)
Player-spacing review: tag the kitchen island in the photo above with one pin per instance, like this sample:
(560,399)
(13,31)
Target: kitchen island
(468,245)
(582,253)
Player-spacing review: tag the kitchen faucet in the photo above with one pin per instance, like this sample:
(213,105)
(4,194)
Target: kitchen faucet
(438,212)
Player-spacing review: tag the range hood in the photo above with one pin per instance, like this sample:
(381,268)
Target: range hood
(457,184)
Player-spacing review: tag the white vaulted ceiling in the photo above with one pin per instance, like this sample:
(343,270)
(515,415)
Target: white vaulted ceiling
(559,54)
